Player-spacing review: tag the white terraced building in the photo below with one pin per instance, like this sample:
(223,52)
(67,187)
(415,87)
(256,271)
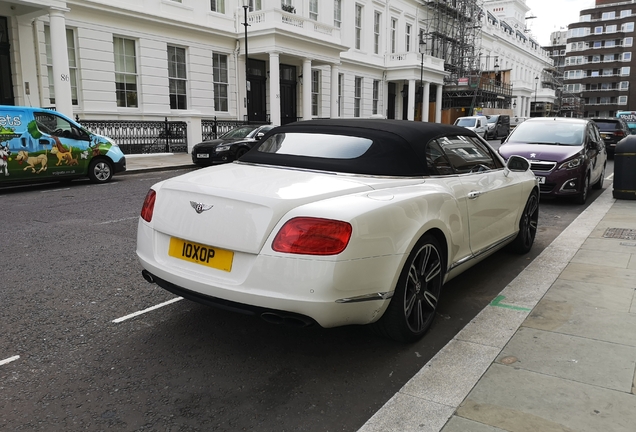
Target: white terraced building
(186,59)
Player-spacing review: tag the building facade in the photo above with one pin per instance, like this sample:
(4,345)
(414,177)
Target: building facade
(599,58)
(258,60)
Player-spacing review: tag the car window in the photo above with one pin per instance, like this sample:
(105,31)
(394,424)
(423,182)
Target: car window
(316,145)
(553,132)
(240,132)
(436,161)
(465,153)
(54,125)
(607,125)
(466,122)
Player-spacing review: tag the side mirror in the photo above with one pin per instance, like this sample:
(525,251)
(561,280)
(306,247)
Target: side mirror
(260,135)
(518,163)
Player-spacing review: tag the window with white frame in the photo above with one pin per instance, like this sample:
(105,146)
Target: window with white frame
(221,82)
(623,85)
(407,41)
(597,44)
(610,28)
(125,72)
(608,72)
(377,17)
(177,81)
(625,71)
(594,73)
(376,96)
(393,35)
(72,64)
(610,43)
(626,13)
(337,13)
(313,10)
(596,58)
(358,26)
(626,56)
(622,100)
(608,15)
(315,93)
(628,41)
(585,18)
(217,6)
(598,30)
(255,5)
(627,27)
(609,57)
(357,97)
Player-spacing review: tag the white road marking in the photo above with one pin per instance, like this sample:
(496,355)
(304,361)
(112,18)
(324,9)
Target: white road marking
(609,177)
(132,315)
(118,220)
(9,360)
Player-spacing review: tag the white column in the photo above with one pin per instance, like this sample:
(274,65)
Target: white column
(410,113)
(426,95)
(59,54)
(333,111)
(274,88)
(306,89)
(385,95)
(438,104)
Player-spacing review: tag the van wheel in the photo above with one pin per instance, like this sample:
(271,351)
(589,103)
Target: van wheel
(100,171)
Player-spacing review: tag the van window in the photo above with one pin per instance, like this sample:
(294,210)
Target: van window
(51,124)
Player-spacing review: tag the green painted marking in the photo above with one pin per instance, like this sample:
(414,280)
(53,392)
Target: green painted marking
(497,302)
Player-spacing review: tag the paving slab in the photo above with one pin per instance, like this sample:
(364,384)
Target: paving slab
(518,400)
(592,295)
(583,360)
(570,317)
(460,424)
(607,258)
(599,274)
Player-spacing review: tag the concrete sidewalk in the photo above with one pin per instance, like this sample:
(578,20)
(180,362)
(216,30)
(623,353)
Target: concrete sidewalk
(555,351)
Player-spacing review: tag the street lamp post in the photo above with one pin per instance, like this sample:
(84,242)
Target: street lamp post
(246,5)
(536,89)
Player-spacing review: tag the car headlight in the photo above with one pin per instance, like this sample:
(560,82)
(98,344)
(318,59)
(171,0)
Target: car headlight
(572,164)
(223,148)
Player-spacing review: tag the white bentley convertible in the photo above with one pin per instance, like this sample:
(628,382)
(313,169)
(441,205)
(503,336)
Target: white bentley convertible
(338,222)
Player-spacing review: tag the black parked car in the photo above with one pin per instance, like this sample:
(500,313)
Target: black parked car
(612,131)
(230,146)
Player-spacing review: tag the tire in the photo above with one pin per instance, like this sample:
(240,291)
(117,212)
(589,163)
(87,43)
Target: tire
(100,171)
(582,198)
(414,302)
(599,183)
(527,226)
(240,152)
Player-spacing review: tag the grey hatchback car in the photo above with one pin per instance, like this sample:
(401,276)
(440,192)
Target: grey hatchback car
(567,155)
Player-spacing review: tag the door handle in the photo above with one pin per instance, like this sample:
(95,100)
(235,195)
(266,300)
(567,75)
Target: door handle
(473,194)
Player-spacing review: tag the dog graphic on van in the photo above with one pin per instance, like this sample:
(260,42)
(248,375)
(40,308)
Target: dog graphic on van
(32,161)
(68,158)
(59,151)
(4,159)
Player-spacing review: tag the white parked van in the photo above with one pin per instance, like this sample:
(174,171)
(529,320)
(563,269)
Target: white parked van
(477,124)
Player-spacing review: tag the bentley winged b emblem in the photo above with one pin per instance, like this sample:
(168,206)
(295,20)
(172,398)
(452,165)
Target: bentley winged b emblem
(200,207)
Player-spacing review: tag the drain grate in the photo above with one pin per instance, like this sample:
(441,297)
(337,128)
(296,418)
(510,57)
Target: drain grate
(620,233)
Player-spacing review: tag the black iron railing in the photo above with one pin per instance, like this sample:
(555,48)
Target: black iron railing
(139,136)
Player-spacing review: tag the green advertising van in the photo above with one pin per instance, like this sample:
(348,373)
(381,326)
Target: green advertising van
(38,145)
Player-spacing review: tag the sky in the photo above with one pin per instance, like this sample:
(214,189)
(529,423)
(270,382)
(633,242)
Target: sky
(551,15)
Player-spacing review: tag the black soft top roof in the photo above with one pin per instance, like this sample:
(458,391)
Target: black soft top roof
(398,147)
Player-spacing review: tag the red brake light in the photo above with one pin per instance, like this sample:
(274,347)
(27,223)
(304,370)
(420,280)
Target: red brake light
(149,205)
(619,133)
(312,236)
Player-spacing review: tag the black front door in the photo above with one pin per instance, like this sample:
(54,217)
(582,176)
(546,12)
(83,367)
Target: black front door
(390,110)
(288,113)
(257,101)
(6,83)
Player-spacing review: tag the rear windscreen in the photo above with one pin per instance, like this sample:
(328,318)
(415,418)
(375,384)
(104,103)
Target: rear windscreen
(316,145)
(607,126)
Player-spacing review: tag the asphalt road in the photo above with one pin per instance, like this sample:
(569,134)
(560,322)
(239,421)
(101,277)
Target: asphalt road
(69,271)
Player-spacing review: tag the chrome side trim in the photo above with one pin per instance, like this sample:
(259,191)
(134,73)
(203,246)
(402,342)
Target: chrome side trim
(481,252)
(367,297)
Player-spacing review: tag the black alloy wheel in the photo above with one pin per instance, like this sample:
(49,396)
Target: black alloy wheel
(582,197)
(599,183)
(414,303)
(527,225)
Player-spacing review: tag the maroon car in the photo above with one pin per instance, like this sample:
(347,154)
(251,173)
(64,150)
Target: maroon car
(566,154)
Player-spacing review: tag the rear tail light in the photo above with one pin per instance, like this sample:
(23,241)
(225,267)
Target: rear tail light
(149,205)
(619,133)
(312,236)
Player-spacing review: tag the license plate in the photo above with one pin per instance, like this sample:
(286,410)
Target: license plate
(203,155)
(541,180)
(220,259)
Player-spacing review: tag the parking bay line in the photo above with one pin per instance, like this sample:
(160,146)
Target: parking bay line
(9,360)
(132,315)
